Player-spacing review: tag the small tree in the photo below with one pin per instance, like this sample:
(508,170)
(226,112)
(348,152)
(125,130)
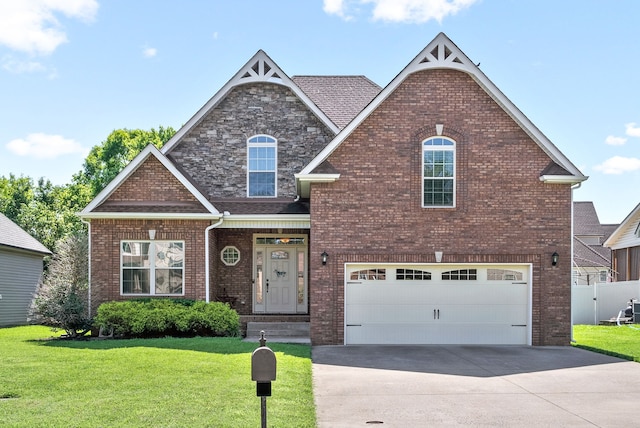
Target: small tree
(62,297)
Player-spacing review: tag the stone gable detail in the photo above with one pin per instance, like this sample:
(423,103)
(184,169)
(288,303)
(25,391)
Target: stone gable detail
(214,153)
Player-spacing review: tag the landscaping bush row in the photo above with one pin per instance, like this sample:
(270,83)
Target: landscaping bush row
(167,317)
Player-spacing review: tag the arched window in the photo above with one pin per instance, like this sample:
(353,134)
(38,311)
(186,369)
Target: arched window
(262,161)
(438,172)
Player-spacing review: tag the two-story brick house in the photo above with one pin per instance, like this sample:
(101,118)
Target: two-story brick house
(430,211)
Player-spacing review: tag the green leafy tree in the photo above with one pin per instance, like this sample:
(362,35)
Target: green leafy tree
(15,192)
(106,160)
(62,297)
(49,212)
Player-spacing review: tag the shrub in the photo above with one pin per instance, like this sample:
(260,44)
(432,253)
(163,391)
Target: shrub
(167,317)
(61,299)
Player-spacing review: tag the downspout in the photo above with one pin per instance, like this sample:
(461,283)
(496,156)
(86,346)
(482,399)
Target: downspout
(206,255)
(88,223)
(575,186)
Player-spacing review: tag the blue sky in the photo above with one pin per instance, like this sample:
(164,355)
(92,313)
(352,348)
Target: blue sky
(71,71)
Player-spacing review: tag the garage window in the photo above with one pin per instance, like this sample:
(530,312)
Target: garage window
(503,275)
(412,274)
(461,275)
(369,274)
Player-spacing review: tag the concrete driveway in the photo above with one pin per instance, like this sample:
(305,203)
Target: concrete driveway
(490,386)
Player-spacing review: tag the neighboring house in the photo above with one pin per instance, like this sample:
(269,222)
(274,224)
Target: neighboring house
(625,247)
(431,211)
(591,260)
(21,264)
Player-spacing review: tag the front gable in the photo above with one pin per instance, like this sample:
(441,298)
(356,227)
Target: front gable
(443,55)
(150,186)
(260,100)
(627,235)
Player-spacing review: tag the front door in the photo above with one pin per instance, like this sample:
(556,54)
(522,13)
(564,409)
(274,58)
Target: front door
(279,282)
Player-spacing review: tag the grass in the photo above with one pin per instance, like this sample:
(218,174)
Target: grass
(619,341)
(168,382)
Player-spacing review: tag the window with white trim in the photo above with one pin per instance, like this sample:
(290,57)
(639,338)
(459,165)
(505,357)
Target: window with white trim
(438,172)
(603,276)
(262,161)
(152,268)
(230,255)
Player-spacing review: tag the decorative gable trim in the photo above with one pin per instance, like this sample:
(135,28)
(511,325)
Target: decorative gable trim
(260,68)
(626,235)
(442,53)
(150,150)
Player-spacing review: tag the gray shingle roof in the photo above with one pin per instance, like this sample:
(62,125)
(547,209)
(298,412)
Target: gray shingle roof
(585,219)
(586,224)
(261,206)
(12,235)
(341,98)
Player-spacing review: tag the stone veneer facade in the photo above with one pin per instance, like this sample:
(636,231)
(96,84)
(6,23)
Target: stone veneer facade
(249,110)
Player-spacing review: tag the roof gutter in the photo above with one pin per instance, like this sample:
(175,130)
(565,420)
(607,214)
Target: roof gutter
(562,179)
(148,216)
(303,182)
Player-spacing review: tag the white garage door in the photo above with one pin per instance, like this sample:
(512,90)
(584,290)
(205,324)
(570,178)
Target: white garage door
(437,304)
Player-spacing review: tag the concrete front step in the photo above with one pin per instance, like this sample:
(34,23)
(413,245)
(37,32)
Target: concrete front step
(287,332)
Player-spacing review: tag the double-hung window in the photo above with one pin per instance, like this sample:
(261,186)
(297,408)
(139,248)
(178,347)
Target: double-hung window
(438,172)
(152,267)
(262,162)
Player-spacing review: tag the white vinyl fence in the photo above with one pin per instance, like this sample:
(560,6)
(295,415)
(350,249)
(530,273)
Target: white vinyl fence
(602,301)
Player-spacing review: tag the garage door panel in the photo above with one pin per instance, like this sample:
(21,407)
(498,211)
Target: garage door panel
(430,334)
(389,314)
(374,294)
(403,293)
(399,334)
(507,314)
(495,314)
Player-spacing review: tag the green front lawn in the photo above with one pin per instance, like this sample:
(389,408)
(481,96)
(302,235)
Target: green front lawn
(168,382)
(620,341)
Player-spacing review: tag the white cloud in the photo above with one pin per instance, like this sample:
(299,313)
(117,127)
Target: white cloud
(13,65)
(618,165)
(43,146)
(31,26)
(335,7)
(408,11)
(149,52)
(615,141)
(632,130)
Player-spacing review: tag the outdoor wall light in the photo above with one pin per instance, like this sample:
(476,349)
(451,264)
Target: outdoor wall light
(324,256)
(438,256)
(554,258)
(152,234)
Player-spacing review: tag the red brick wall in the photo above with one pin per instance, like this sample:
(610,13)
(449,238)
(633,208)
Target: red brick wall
(152,182)
(106,236)
(227,283)
(503,212)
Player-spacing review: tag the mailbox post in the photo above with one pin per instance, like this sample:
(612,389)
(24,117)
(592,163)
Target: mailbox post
(263,371)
